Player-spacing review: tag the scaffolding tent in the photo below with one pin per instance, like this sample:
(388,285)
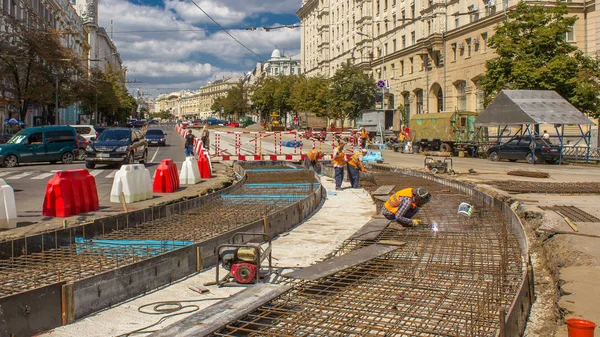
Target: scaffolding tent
(529,108)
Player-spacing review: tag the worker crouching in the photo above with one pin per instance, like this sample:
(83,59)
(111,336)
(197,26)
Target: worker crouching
(312,160)
(339,159)
(355,163)
(404,204)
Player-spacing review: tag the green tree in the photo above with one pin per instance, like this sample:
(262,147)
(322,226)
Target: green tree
(351,92)
(218,103)
(533,54)
(311,95)
(234,103)
(262,95)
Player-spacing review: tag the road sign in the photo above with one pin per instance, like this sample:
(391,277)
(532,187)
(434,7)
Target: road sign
(380,84)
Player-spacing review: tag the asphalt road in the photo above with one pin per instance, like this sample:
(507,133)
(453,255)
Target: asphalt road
(29,180)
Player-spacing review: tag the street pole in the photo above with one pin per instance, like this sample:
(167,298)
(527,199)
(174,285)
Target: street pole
(56,104)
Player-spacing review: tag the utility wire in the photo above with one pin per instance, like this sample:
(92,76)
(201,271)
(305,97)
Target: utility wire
(225,30)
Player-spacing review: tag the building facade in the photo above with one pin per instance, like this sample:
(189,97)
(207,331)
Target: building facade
(432,52)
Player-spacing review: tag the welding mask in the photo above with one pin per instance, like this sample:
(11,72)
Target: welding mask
(422,196)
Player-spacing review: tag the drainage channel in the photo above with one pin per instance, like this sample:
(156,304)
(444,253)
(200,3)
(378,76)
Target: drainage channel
(457,278)
(275,190)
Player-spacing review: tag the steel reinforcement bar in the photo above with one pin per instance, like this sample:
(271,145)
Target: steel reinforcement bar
(458,276)
(55,278)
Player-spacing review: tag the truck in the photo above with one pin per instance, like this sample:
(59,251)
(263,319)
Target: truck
(378,123)
(310,121)
(444,131)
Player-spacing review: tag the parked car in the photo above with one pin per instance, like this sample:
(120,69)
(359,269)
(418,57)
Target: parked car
(519,149)
(40,144)
(156,137)
(99,129)
(153,122)
(234,124)
(117,146)
(82,144)
(87,131)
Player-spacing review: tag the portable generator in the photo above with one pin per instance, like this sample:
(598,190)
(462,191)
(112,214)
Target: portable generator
(244,261)
(438,166)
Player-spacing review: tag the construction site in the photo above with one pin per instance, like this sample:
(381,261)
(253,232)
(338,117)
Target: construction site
(455,275)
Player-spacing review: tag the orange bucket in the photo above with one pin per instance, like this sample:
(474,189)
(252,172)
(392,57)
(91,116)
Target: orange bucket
(580,327)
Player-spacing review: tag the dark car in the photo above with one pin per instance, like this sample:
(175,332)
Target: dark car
(519,149)
(100,129)
(156,137)
(117,146)
(82,144)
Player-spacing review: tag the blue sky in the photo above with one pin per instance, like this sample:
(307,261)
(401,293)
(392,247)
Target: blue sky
(170,45)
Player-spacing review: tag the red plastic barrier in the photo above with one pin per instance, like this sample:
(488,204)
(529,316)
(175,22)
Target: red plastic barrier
(203,165)
(70,193)
(166,179)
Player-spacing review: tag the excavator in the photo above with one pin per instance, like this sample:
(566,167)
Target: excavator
(274,123)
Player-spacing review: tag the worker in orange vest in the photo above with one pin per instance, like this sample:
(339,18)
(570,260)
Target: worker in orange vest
(404,204)
(312,160)
(363,138)
(355,163)
(339,159)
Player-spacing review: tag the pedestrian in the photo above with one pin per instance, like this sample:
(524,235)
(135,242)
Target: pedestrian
(546,137)
(205,138)
(404,204)
(189,144)
(355,163)
(312,160)
(339,159)
(363,138)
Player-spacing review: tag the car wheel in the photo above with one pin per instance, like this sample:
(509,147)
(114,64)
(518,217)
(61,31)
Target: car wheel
(89,165)
(512,160)
(494,156)
(11,161)
(144,159)
(81,154)
(530,158)
(445,147)
(67,157)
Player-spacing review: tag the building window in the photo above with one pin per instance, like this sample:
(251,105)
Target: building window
(473,13)
(385,50)
(484,40)
(393,70)
(429,27)
(468,41)
(419,94)
(378,29)
(456,21)
(403,15)
(402,68)
(379,52)
(394,44)
(413,38)
(406,99)
(385,3)
(479,97)
(377,7)
(422,64)
(413,11)
(403,41)
(395,21)
(411,65)
(570,35)
(461,96)
(393,3)
(454,52)
(386,27)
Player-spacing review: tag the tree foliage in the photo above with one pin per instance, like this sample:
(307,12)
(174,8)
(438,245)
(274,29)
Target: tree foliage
(534,55)
(234,103)
(311,95)
(351,92)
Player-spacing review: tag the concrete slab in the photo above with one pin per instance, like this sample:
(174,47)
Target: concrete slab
(384,190)
(582,292)
(371,230)
(307,243)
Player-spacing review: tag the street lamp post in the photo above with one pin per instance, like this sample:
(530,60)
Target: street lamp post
(56,103)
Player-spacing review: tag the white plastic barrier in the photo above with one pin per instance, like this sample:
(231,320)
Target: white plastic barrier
(8,206)
(134,182)
(190,173)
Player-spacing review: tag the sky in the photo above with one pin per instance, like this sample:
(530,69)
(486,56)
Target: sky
(171,45)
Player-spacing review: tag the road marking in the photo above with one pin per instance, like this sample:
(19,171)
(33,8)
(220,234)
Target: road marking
(43,176)
(2,174)
(154,157)
(112,174)
(96,172)
(19,176)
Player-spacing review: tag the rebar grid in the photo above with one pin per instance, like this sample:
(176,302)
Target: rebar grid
(80,260)
(449,282)
(516,186)
(572,212)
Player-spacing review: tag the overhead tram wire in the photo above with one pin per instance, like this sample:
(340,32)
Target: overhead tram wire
(225,30)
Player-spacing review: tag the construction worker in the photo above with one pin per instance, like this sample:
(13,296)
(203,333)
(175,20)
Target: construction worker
(363,138)
(312,160)
(339,159)
(355,163)
(404,204)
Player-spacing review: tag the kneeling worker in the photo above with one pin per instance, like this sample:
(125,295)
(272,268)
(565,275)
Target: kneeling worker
(355,163)
(404,204)
(312,160)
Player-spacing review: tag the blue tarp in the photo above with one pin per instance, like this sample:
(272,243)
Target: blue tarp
(290,143)
(372,157)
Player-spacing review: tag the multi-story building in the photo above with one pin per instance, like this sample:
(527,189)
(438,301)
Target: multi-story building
(432,52)
(210,92)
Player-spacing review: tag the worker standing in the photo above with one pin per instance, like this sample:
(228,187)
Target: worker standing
(404,204)
(312,160)
(355,163)
(363,138)
(189,144)
(339,159)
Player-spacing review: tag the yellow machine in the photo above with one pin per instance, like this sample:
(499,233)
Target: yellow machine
(274,123)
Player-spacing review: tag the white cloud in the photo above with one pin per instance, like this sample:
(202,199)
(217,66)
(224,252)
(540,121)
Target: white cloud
(190,13)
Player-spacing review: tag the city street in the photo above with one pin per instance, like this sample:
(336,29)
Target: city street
(29,180)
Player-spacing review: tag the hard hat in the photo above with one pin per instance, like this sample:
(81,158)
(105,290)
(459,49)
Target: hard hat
(422,196)
(365,150)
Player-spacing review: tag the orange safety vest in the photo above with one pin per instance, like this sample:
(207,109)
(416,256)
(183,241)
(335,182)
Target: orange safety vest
(354,161)
(312,155)
(340,159)
(363,134)
(393,202)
